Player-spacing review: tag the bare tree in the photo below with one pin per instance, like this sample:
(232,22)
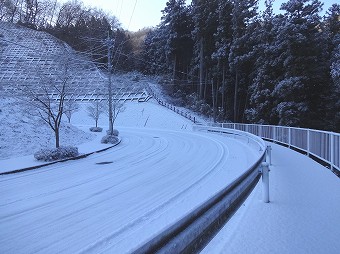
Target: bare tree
(8,9)
(117,108)
(95,109)
(70,107)
(70,12)
(46,99)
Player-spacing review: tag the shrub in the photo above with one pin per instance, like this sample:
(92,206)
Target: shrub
(109,139)
(114,132)
(96,129)
(59,153)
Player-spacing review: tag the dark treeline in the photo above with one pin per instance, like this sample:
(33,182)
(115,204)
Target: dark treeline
(220,57)
(224,58)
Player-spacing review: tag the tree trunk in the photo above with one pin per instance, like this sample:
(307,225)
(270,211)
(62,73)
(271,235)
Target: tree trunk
(201,67)
(56,132)
(174,68)
(235,97)
(213,99)
(223,90)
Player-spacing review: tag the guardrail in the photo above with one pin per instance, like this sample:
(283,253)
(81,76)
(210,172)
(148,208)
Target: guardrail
(322,145)
(195,230)
(181,112)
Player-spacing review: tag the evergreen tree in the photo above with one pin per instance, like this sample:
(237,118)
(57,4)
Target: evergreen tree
(221,73)
(205,17)
(302,91)
(241,57)
(267,70)
(332,28)
(154,55)
(177,22)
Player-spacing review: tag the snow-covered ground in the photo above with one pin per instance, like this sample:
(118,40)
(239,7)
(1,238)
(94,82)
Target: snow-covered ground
(21,135)
(303,215)
(113,201)
(116,200)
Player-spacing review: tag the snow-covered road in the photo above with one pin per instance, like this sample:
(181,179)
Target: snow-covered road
(114,201)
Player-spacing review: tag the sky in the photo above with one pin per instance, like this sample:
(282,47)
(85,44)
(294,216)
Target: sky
(133,14)
(137,14)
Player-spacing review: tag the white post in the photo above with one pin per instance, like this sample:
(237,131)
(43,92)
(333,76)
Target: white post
(260,131)
(332,150)
(308,142)
(269,154)
(265,181)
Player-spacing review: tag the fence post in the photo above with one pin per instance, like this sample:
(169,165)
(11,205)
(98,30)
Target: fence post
(265,181)
(274,133)
(332,150)
(289,136)
(308,142)
(260,131)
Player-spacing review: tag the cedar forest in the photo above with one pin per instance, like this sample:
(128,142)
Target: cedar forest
(222,58)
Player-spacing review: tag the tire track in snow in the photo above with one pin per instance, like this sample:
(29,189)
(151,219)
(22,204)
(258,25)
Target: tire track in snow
(174,200)
(104,200)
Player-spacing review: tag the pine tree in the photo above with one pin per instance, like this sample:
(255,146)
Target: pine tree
(300,92)
(267,70)
(205,17)
(241,55)
(177,22)
(332,28)
(154,55)
(223,38)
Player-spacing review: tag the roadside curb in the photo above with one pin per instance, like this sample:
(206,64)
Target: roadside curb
(54,162)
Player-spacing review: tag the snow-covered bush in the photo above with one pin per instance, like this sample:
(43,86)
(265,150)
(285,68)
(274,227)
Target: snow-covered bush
(59,153)
(96,129)
(115,132)
(110,139)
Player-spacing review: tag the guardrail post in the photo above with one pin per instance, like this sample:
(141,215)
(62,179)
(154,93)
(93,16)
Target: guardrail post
(265,181)
(289,136)
(269,154)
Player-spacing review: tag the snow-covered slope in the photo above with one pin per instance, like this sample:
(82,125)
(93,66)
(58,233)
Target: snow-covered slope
(21,134)
(28,56)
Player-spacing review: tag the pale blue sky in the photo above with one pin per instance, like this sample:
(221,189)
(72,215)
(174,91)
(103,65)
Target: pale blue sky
(148,12)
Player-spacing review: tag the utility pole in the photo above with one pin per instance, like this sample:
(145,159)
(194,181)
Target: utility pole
(110,43)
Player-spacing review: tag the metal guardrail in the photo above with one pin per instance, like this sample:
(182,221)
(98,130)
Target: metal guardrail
(161,102)
(323,145)
(195,230)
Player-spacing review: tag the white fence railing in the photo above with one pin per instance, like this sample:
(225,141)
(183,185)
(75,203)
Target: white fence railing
(323,145)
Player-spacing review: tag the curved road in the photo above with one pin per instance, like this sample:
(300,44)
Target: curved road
(114,201)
